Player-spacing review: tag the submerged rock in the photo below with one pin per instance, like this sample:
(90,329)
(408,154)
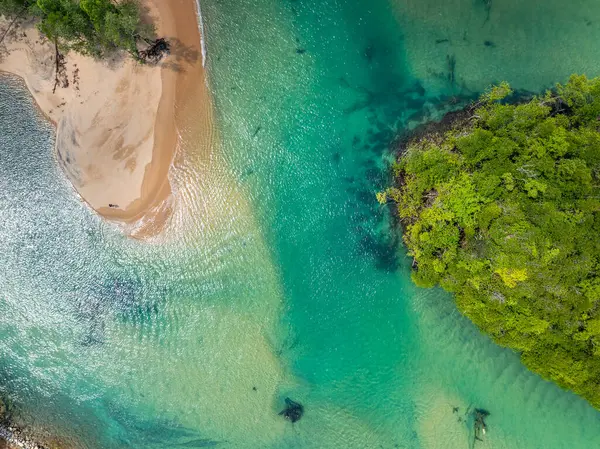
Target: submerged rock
(480,427)
(14,437)
(293,411)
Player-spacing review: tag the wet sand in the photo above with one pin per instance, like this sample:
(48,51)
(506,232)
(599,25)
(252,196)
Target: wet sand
(185,105)
(184,114)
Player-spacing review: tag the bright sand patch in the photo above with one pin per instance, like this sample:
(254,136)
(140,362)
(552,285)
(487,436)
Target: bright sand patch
(108,141)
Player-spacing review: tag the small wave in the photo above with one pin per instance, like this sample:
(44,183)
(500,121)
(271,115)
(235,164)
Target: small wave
(201,28)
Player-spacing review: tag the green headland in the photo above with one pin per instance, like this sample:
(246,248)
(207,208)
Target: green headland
(500,205)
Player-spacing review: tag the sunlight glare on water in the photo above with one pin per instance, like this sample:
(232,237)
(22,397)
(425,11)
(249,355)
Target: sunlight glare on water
(278,275)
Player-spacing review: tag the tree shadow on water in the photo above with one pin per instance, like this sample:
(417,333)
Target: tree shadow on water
(375,239)
(383,247)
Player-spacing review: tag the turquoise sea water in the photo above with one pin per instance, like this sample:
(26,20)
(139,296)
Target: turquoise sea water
(280,276)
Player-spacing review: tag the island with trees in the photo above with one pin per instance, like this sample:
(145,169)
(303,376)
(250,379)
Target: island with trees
(502,208)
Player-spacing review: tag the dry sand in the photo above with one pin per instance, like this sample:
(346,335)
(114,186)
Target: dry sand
(117,121)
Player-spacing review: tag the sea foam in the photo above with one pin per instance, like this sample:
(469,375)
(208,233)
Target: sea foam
(201,29)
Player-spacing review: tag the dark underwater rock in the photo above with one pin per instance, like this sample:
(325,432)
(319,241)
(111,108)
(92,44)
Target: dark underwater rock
(293,411)
(201,442)
(480,426)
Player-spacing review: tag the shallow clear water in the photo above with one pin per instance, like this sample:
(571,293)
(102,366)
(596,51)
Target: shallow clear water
(279,275)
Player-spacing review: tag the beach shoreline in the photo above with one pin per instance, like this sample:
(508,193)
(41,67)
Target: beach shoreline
(117,131)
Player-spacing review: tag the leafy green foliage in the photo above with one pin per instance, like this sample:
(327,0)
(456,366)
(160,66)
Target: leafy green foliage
(92,27)
(496,93)
(504,211)
(12,8)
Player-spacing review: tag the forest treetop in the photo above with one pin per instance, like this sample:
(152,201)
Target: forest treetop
(503,211)
(90,27)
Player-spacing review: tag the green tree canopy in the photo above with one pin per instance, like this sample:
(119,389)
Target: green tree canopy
(504,211)
(92,27)
(11,8)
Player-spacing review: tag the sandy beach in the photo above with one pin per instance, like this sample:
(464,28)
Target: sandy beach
(117,121)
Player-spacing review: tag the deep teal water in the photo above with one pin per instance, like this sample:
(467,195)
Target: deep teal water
(288,279)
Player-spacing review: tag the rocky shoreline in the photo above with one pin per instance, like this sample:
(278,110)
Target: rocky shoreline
(457,111)
(13,437)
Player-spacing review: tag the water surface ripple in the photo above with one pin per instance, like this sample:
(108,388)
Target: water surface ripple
(279,274)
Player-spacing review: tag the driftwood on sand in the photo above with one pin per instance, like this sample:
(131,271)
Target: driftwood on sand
(155,51)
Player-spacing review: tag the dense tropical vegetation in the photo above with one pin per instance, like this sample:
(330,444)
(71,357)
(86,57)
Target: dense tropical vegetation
(91,27)
(503,210)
